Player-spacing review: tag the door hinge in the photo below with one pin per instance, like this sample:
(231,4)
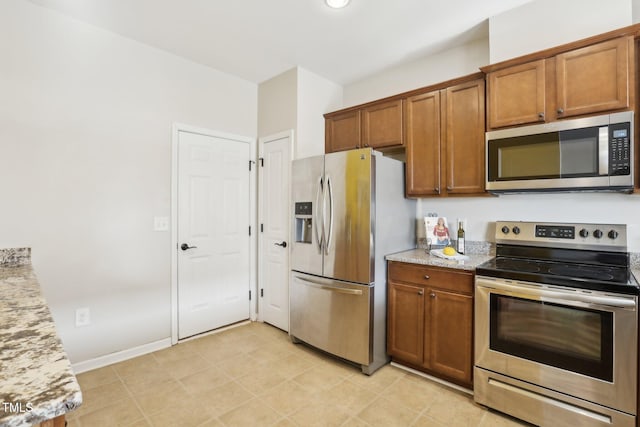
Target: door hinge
(261,292)
(250,163)
(261,161)
(249,295)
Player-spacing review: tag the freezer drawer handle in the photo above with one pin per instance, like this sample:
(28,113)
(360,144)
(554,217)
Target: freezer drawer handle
(331,288)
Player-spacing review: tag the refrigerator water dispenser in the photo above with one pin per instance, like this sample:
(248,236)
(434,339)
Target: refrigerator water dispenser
(304,222)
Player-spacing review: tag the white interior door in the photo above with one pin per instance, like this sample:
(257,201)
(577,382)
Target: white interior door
(274,218)
(213,204)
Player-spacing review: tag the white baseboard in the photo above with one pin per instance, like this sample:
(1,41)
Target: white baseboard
(109,359)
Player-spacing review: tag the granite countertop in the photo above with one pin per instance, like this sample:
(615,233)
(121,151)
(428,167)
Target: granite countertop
(36,379)
(480,253)
(421,256)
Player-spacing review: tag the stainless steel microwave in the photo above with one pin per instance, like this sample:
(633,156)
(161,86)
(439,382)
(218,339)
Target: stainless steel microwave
(591,154)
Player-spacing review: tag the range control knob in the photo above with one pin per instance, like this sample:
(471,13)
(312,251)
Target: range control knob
(584,233)
(505,229)
(613,234)
(597,234)
(516,230)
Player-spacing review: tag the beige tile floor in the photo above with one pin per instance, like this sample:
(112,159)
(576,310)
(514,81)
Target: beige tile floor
(252,375)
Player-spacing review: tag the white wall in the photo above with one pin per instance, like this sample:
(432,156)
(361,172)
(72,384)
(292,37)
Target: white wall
(277,103)
(316,96)
(85,165)
(297,99)
(456,62)
(542,24)
(482,212)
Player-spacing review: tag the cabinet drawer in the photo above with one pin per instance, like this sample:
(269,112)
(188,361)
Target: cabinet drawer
(457,281)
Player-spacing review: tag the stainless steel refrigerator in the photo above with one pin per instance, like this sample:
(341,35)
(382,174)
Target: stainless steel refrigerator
(349,212)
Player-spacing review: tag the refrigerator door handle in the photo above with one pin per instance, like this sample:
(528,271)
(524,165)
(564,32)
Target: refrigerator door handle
(330,233)
(317,215)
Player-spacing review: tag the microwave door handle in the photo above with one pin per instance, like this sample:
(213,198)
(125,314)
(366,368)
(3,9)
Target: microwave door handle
(317,214)
(603,150)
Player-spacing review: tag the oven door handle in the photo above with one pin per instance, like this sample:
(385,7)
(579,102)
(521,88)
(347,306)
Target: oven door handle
(611,301)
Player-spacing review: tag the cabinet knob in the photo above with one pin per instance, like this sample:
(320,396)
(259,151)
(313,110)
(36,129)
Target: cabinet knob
(437,190)
(541,115)
(432,295)
(366,145)
(421,292)
(560,110)
(426,276)
(449,188)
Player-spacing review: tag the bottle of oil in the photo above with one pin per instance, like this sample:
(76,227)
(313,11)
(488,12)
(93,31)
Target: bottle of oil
(460,241)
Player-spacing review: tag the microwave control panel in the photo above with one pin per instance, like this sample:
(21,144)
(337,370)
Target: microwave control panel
(619,149)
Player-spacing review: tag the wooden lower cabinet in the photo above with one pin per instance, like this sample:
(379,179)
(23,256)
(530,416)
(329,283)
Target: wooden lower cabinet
(58,421)
(430,320)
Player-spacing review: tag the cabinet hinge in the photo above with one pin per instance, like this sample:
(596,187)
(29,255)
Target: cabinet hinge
(249,295)
(261,292)
(250,163)
(262,228)
(249,230)
(261,161)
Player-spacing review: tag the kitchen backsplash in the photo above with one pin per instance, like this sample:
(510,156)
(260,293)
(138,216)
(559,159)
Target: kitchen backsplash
(15,256)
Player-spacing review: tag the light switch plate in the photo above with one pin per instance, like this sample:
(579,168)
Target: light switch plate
(160,223)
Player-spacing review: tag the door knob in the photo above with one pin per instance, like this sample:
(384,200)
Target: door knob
(184,247)
(283,244)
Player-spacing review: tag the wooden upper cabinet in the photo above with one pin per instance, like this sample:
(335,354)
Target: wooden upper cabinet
(422,133)
(594,78)
(516,95)
(571,82)
(377,125)
(342,131)
(382,125)
(444,131)
(464,132)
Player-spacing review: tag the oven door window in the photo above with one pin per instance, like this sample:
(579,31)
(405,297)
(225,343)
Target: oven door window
(562,154)
(571,338)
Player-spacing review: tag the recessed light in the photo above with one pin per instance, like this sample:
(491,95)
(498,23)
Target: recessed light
(337,4)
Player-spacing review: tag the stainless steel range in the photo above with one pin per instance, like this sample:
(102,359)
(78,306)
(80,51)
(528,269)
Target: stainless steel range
(556,325)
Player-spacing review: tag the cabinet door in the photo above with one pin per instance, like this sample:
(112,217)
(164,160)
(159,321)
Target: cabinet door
(463,138)
(382,125)
(405,318)
(342,131)
(594,78)
(422,132)
(451,339)
(517,95)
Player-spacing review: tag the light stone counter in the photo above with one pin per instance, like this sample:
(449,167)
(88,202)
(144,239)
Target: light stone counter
(36,379)
(420,256)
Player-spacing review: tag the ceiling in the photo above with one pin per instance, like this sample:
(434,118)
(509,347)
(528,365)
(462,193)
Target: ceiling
(259,39)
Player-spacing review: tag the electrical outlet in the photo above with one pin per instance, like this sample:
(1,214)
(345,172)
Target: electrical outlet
(83,317)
